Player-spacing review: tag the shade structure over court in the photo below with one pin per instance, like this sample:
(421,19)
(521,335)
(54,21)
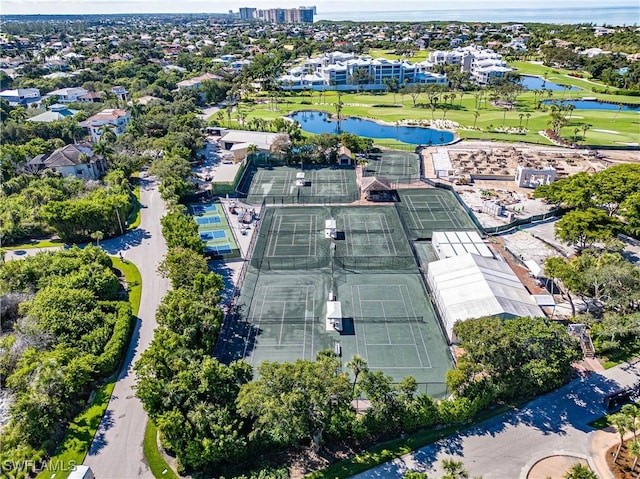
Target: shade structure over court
(471,286)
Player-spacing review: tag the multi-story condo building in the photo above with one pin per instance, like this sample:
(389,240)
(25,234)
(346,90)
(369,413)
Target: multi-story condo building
(345,71)
(279,15)
(482,64)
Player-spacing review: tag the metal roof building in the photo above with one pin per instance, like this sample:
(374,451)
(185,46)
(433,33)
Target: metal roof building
(470,286)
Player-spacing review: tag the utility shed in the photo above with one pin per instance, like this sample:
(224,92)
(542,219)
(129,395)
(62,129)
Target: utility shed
(334,316)
(471,286)
(330,228)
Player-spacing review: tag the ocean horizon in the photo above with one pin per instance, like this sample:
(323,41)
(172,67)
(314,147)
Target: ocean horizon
(597,15)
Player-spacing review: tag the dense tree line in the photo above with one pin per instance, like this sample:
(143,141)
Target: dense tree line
(65,328)
(600,200)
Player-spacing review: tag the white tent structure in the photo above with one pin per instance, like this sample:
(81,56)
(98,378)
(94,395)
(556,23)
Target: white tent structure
(471,286)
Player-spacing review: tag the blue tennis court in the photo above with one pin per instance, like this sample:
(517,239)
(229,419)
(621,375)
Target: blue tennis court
(220,250)
(201,209)
(207,220)
(209,235)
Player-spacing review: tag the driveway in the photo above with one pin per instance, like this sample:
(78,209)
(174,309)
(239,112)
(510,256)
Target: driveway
(116,451)
(507,446)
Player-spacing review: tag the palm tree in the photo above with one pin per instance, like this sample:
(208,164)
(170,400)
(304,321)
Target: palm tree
(634,449)
(103,149)
(97,235)
(575,134)
(252,150)
(107,134)
(621,422)
(455,469)
(358,366)
(504,116)
(585,127)
(620,105)
(18,114)
(476,114)
(71,128)
(526,125)
(580,471)
(521,116)
(632,411)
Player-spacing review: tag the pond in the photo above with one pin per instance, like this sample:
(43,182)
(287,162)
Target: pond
(320,122)
(596,105)
(537,83)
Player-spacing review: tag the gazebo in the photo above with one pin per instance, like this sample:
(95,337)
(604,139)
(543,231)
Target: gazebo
(375,188)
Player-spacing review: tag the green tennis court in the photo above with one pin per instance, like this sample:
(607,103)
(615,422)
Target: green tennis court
(387,317)
(283,185)
(432,209)
(396,166)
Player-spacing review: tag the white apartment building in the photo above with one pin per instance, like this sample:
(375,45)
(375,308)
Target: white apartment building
(335,71)
(483,64)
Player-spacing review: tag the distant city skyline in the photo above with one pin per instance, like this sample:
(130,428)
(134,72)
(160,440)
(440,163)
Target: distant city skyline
(32,7)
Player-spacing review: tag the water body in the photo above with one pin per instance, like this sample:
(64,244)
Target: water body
(595,14)
(319,122)
(596,105)
(537,83)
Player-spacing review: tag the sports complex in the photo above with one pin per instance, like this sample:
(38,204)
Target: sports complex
(297,272)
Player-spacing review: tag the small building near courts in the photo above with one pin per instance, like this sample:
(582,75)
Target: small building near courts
(344,156)
(375,188)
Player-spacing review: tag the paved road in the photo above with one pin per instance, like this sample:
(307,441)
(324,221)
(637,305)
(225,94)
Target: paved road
(116,451)
(507,446)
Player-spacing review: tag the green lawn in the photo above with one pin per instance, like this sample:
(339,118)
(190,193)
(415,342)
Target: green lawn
(134,216)
(47,243)
(608,128)
(79,435)
(75,444)
(159,468)
(134,281)
(625,352)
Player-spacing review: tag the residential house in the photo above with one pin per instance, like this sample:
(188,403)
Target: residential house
(68,95)
(197,81)
(117,118)
(21,96)
(71,160)
(56,112)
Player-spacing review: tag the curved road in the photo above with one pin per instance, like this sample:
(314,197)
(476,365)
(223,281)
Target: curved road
(116,451)
(508,445)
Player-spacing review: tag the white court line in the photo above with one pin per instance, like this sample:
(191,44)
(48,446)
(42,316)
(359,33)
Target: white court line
(386,323)
(272,237)
(390,242)
(414,213)
(284,310)
(293,236)
(408,302)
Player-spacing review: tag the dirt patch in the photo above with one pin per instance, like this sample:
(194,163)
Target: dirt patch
(621,469)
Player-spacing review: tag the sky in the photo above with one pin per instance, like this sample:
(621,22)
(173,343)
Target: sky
(10,7)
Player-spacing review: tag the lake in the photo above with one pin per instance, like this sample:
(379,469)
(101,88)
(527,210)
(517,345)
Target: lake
(596,105)
(537,83)
(319,122)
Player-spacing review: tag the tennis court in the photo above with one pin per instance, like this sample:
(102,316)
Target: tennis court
(281,185)
(396,166)
(214,230)
(432,209)
(372,239)
(292,238)
(387,317)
